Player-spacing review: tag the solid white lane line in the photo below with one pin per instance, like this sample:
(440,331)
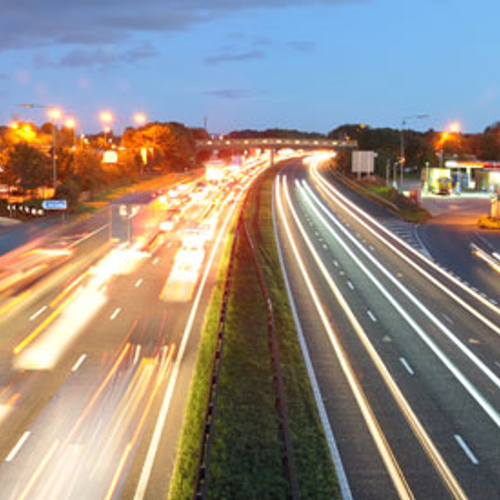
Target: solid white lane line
(372,316)
(18,446)
(40,311)
(350,285)
(408,368)
(345,489)
(466,449)
(116,312)
(154,444)
(138,283)
(345,204)
(77,365)
(466,383)
(369,417)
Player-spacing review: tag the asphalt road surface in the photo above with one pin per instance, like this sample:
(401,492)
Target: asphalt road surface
(406,355)
(98,348)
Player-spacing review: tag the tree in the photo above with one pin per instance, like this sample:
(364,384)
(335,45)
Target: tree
(88,170)
(28,167)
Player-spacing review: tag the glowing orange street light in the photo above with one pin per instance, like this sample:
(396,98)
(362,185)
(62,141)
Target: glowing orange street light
(54,114)
(106,116)
(71,124)
(140,118)
(454,127)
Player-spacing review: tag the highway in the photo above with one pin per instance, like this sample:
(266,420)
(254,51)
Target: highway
(406,355)
(98,345)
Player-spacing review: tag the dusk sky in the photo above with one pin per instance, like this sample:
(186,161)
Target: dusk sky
(310,65)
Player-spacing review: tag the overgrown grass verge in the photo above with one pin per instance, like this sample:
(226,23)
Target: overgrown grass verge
(246,460)
(316,475)
(247,450)
(487,222)
(186,466)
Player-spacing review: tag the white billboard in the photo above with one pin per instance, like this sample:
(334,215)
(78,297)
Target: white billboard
(363,162)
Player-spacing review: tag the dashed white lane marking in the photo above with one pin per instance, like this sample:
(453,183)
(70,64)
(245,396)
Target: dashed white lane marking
(77,365)
(407,366)
(493,301)
(325,246)
(341,273)
(466,449)
(116,312)
(138,283)
(447,318)
(156,261)
(350,285)
(335,263)
(371,248)
(40,311)
(372,316)
(497,363)
(18,446)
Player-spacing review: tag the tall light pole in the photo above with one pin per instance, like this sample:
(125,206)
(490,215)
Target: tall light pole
(106,118)
(54,114)
(402,161)
(71,124)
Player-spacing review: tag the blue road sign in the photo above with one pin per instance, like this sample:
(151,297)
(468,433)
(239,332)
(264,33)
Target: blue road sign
(55,204)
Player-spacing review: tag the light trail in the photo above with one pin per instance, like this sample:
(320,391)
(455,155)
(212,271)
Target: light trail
(419,431)
(374,428)
(343,202)
(464,381)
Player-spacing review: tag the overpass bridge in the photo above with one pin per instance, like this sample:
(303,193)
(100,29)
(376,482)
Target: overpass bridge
(273,143)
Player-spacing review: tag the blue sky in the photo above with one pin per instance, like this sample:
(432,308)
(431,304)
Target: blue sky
(310,65)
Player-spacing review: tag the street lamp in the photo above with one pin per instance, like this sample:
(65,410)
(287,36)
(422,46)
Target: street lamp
(106,118)
(402,150)
(54,115)
(71,124)
(140,118)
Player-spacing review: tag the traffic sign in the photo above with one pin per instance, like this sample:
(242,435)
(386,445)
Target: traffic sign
(55,204)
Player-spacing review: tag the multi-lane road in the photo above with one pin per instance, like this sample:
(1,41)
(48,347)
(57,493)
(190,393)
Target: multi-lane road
(98,348)
(406,356)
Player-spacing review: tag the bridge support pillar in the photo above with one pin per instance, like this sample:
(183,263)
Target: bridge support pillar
(271,157)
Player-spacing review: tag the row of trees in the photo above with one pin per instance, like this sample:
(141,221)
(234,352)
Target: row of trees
(26,156)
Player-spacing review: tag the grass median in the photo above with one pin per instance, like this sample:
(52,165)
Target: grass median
(247,450)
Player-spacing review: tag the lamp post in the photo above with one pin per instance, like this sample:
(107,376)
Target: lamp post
(106,118)
(54,114)
(71,124)
(402,146)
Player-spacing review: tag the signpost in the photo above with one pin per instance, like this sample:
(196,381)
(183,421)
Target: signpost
(55,204)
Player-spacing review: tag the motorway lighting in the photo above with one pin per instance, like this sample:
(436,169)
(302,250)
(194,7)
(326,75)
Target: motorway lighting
(71,124)
(454,128)
(140,118)
(106,116)
(54,114)
(14,125)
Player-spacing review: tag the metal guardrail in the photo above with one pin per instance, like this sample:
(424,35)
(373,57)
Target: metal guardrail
(207,437)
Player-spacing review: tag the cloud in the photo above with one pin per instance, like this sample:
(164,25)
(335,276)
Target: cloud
(302,46)
(230,94)
(226,56)
(102,56)
(4,76)
(34,24)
